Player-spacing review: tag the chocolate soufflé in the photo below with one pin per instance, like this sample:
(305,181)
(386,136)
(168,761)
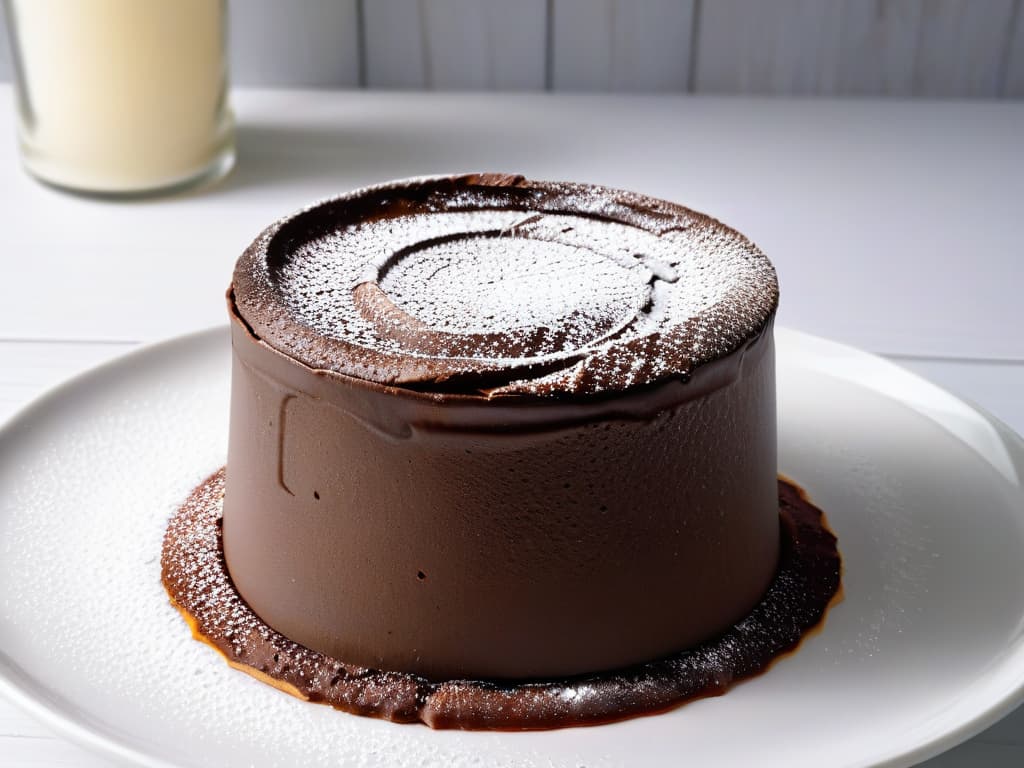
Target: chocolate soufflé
(496,430)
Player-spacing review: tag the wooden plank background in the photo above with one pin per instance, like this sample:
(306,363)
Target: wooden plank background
(907,48)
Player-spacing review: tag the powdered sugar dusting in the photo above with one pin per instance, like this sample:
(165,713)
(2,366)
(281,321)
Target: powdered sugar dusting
(505,286)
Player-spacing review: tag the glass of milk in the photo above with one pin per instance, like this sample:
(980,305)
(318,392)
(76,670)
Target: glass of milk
(122,97)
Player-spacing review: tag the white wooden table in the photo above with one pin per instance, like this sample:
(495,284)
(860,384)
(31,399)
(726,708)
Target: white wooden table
(895,227)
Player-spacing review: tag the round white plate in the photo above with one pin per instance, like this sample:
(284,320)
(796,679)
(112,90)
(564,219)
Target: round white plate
(927,648)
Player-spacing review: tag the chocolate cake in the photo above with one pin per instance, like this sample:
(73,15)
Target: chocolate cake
(496,430)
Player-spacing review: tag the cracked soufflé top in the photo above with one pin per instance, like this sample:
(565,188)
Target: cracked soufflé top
(499,285)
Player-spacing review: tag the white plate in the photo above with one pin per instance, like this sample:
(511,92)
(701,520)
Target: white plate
(927,648)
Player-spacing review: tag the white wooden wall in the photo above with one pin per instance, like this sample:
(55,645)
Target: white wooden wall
(931,48)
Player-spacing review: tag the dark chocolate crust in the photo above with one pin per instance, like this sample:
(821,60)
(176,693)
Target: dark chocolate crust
(500,285)
(805,584)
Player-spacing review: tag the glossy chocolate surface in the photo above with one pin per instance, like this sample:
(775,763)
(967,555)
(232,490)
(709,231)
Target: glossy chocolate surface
(498,539)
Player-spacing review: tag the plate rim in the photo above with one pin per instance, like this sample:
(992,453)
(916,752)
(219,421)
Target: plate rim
(69,724)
